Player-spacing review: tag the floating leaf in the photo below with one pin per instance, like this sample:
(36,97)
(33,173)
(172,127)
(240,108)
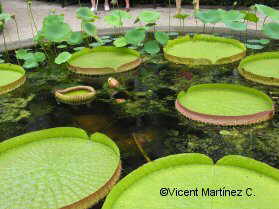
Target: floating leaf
(63,57)
(135,36)
(152,47)
(62,46)
(161,37)
(89,28)
(1,61)
(210,16)
(85,14)
(39,56)
(30,63)
(149,16)
(268,11)
(271,30)
(22,54)
(120,42)
(79,48)
(95,44)
(254,46)
(259,41)
(173,33)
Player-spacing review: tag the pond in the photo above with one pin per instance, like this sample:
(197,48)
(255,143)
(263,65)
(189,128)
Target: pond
(142,107)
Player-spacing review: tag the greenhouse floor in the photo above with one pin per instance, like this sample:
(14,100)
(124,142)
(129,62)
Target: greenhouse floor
(41,9)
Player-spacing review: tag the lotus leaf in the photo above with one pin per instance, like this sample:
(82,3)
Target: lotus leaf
(231,16)
(104,60)
(193,51)
(262,68)
(151,47)
(238,26)
(85,14)
(120,42)
(225,104)
(271,30)
(135,36)
(12,77)
(63,57)
(57,168)
(89,28)
(161,37)
(268,11)
(157,184)
(149,17)
(210,16)
(75,38)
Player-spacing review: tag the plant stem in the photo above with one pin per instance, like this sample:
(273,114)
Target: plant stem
(5,46)
(141,149)
(169,15)
(33,19)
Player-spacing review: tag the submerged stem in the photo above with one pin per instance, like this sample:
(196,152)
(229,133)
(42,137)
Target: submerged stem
(141,148)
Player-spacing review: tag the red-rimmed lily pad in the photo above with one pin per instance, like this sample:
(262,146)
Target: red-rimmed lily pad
(11,77)
(190,181)
(261,68)
(225,104)
(204,50)
(104,60)
(57,168)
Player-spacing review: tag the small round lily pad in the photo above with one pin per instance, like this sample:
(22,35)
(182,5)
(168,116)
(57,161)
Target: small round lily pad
(104,60)
(204,50)
(225,104)
(76,95)
(12,77)
(57,168)
(261,68)
(189,181)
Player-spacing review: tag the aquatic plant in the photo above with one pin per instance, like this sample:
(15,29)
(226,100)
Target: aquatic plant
(220,104)
(31,59)
(66,169)
(12,77)
(76,95)
(261,68)
(104,60)
(192,50)
(157,183)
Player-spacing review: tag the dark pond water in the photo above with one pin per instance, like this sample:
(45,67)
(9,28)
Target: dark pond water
(148,116)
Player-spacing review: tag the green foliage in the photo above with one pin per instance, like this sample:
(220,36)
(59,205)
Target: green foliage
(251,17)
(135,36)
(75,38)
(85,14)
(149,17)
(116,17)
(63,57)
(120,42)
(271,30)
(268,11)
(151,47)
(210,16)
(31,59)
(54,29)
(89,29)
(238,26)
(182,16)
(161,37)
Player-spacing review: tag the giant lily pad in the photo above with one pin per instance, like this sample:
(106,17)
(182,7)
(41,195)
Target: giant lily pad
(57,168)
(225,104)
(262,68)
(104,60)
(204,50)
(188,181)
(76,95)
(11,77)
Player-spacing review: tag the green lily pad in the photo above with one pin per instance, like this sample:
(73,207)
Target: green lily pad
(261,68)
(12,77)
(157,184)
(57,168)
(210,16)
(225,104)
(104,60)
(76,95)
(204,50)
(268,11)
